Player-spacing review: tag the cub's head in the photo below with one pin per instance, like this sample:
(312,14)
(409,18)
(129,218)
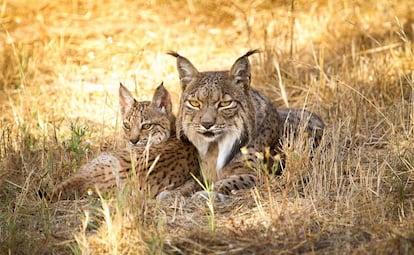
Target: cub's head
(216,106)
(144,121)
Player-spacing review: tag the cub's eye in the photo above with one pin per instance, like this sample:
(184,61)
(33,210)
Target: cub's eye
(194,103)
(225,103)
(126,125)
(146,126)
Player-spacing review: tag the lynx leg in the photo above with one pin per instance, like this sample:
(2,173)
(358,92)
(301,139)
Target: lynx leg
(235,182)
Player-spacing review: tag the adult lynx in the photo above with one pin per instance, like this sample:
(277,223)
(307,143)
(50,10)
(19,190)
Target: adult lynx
(220,114)
(148,126)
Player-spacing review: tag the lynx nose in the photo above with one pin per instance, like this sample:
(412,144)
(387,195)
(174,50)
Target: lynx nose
(134,141)
(207,124)
(208,119)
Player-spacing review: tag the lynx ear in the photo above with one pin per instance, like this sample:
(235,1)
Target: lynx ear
(240,71)
(186,69)
(125,99)
(162,99)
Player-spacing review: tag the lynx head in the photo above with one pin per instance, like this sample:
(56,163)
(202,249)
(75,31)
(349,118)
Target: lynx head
(216,107)
(144,121)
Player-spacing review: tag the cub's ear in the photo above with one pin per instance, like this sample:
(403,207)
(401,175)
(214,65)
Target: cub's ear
(186,70)
(125,99)
(240,71)
(162,99)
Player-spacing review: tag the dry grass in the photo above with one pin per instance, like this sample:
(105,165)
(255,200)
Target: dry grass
(349,61)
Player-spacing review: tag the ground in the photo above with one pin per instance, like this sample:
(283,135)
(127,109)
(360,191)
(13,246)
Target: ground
(351,62)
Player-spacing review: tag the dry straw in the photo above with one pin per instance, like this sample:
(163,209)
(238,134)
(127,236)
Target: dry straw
(349,61)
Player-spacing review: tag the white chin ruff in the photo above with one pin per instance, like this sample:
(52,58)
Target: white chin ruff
(226,144)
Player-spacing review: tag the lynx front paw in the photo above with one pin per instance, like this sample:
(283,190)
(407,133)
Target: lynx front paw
(209,196)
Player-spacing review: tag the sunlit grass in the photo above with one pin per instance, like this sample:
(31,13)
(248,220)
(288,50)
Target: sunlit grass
(351,62)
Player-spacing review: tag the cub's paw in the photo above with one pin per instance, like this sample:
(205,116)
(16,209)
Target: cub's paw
(169,195)
(210,195)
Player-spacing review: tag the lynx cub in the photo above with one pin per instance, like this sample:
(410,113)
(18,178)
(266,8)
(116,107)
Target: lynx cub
(144,122)
(220,114)
(147,122)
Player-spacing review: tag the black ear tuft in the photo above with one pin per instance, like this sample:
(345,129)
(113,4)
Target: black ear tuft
(173,53)
(250,52)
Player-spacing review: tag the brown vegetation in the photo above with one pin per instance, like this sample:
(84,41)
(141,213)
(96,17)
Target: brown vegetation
(349,61)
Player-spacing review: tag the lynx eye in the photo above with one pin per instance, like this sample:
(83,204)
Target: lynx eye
(126,125)
(146,126)
(194,103)
(225,103)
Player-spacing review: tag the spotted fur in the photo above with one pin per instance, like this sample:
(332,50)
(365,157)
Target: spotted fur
(164,163)
(220,114)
